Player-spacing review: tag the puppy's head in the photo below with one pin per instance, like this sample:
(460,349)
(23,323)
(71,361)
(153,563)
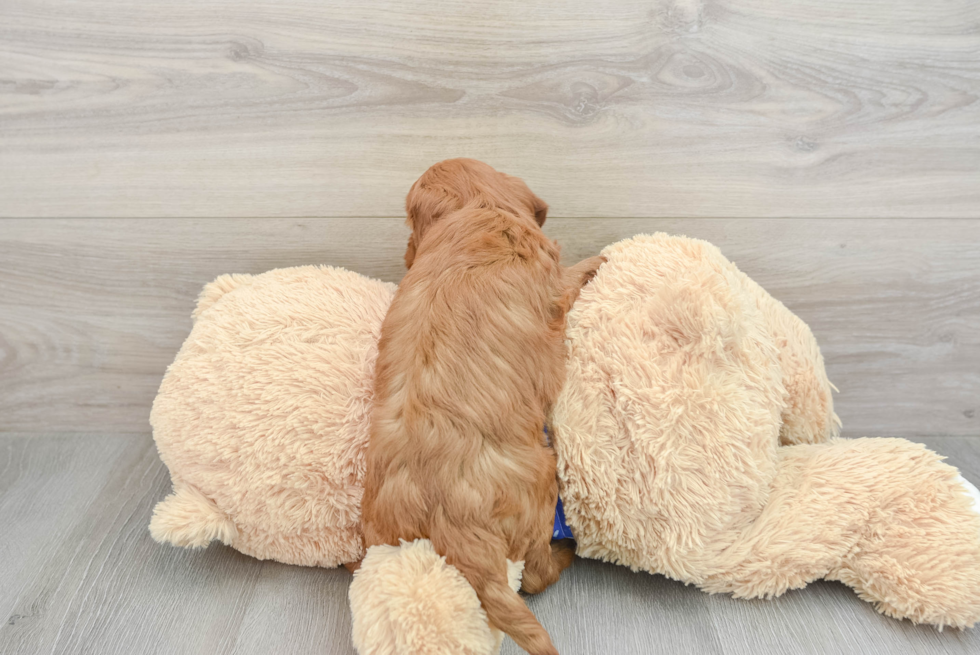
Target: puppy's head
(452,184)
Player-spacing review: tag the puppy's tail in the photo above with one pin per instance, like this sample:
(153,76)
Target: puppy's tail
(482,559)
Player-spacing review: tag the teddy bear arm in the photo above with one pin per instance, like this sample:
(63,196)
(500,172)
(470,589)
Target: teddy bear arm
(808,414)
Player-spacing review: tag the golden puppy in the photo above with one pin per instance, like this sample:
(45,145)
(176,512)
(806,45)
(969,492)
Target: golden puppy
(470,360)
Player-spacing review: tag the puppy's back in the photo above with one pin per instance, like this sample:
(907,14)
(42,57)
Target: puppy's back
(470,333)
(470,353)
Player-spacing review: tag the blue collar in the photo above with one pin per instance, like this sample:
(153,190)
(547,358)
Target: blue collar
(561,530)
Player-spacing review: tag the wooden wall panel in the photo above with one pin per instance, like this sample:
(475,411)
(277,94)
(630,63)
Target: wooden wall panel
(92,311)
(634,108)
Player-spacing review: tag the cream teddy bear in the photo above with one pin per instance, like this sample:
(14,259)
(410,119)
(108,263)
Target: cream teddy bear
(695,437)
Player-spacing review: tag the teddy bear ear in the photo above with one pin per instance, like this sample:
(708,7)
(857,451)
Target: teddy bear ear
(213,291)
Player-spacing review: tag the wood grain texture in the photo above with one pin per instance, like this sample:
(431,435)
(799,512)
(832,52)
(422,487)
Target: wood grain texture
(634,108)
(81,575)
(93,311)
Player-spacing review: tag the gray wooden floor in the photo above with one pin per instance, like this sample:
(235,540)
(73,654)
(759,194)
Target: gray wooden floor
(80,574)
(147,147)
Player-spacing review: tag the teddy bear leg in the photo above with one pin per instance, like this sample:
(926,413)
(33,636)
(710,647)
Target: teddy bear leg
(919,554)
(802,533)
(407,599)
(884,516)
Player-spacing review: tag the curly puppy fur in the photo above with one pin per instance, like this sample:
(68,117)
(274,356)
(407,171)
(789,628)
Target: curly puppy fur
(470,361)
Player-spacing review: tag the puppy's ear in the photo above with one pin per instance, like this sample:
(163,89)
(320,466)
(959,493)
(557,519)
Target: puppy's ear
(410,251)
(427,203)
(540,209)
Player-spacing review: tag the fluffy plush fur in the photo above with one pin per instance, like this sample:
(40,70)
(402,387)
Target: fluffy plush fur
(683,379)
(470,361)
(263,417)
(410,600)
(695,438)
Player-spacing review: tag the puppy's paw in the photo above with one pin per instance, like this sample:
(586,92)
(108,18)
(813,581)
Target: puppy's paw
(563,553)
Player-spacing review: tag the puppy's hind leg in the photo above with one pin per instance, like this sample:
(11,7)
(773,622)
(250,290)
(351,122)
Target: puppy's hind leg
(544,563)
(481,557)
(544,560)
